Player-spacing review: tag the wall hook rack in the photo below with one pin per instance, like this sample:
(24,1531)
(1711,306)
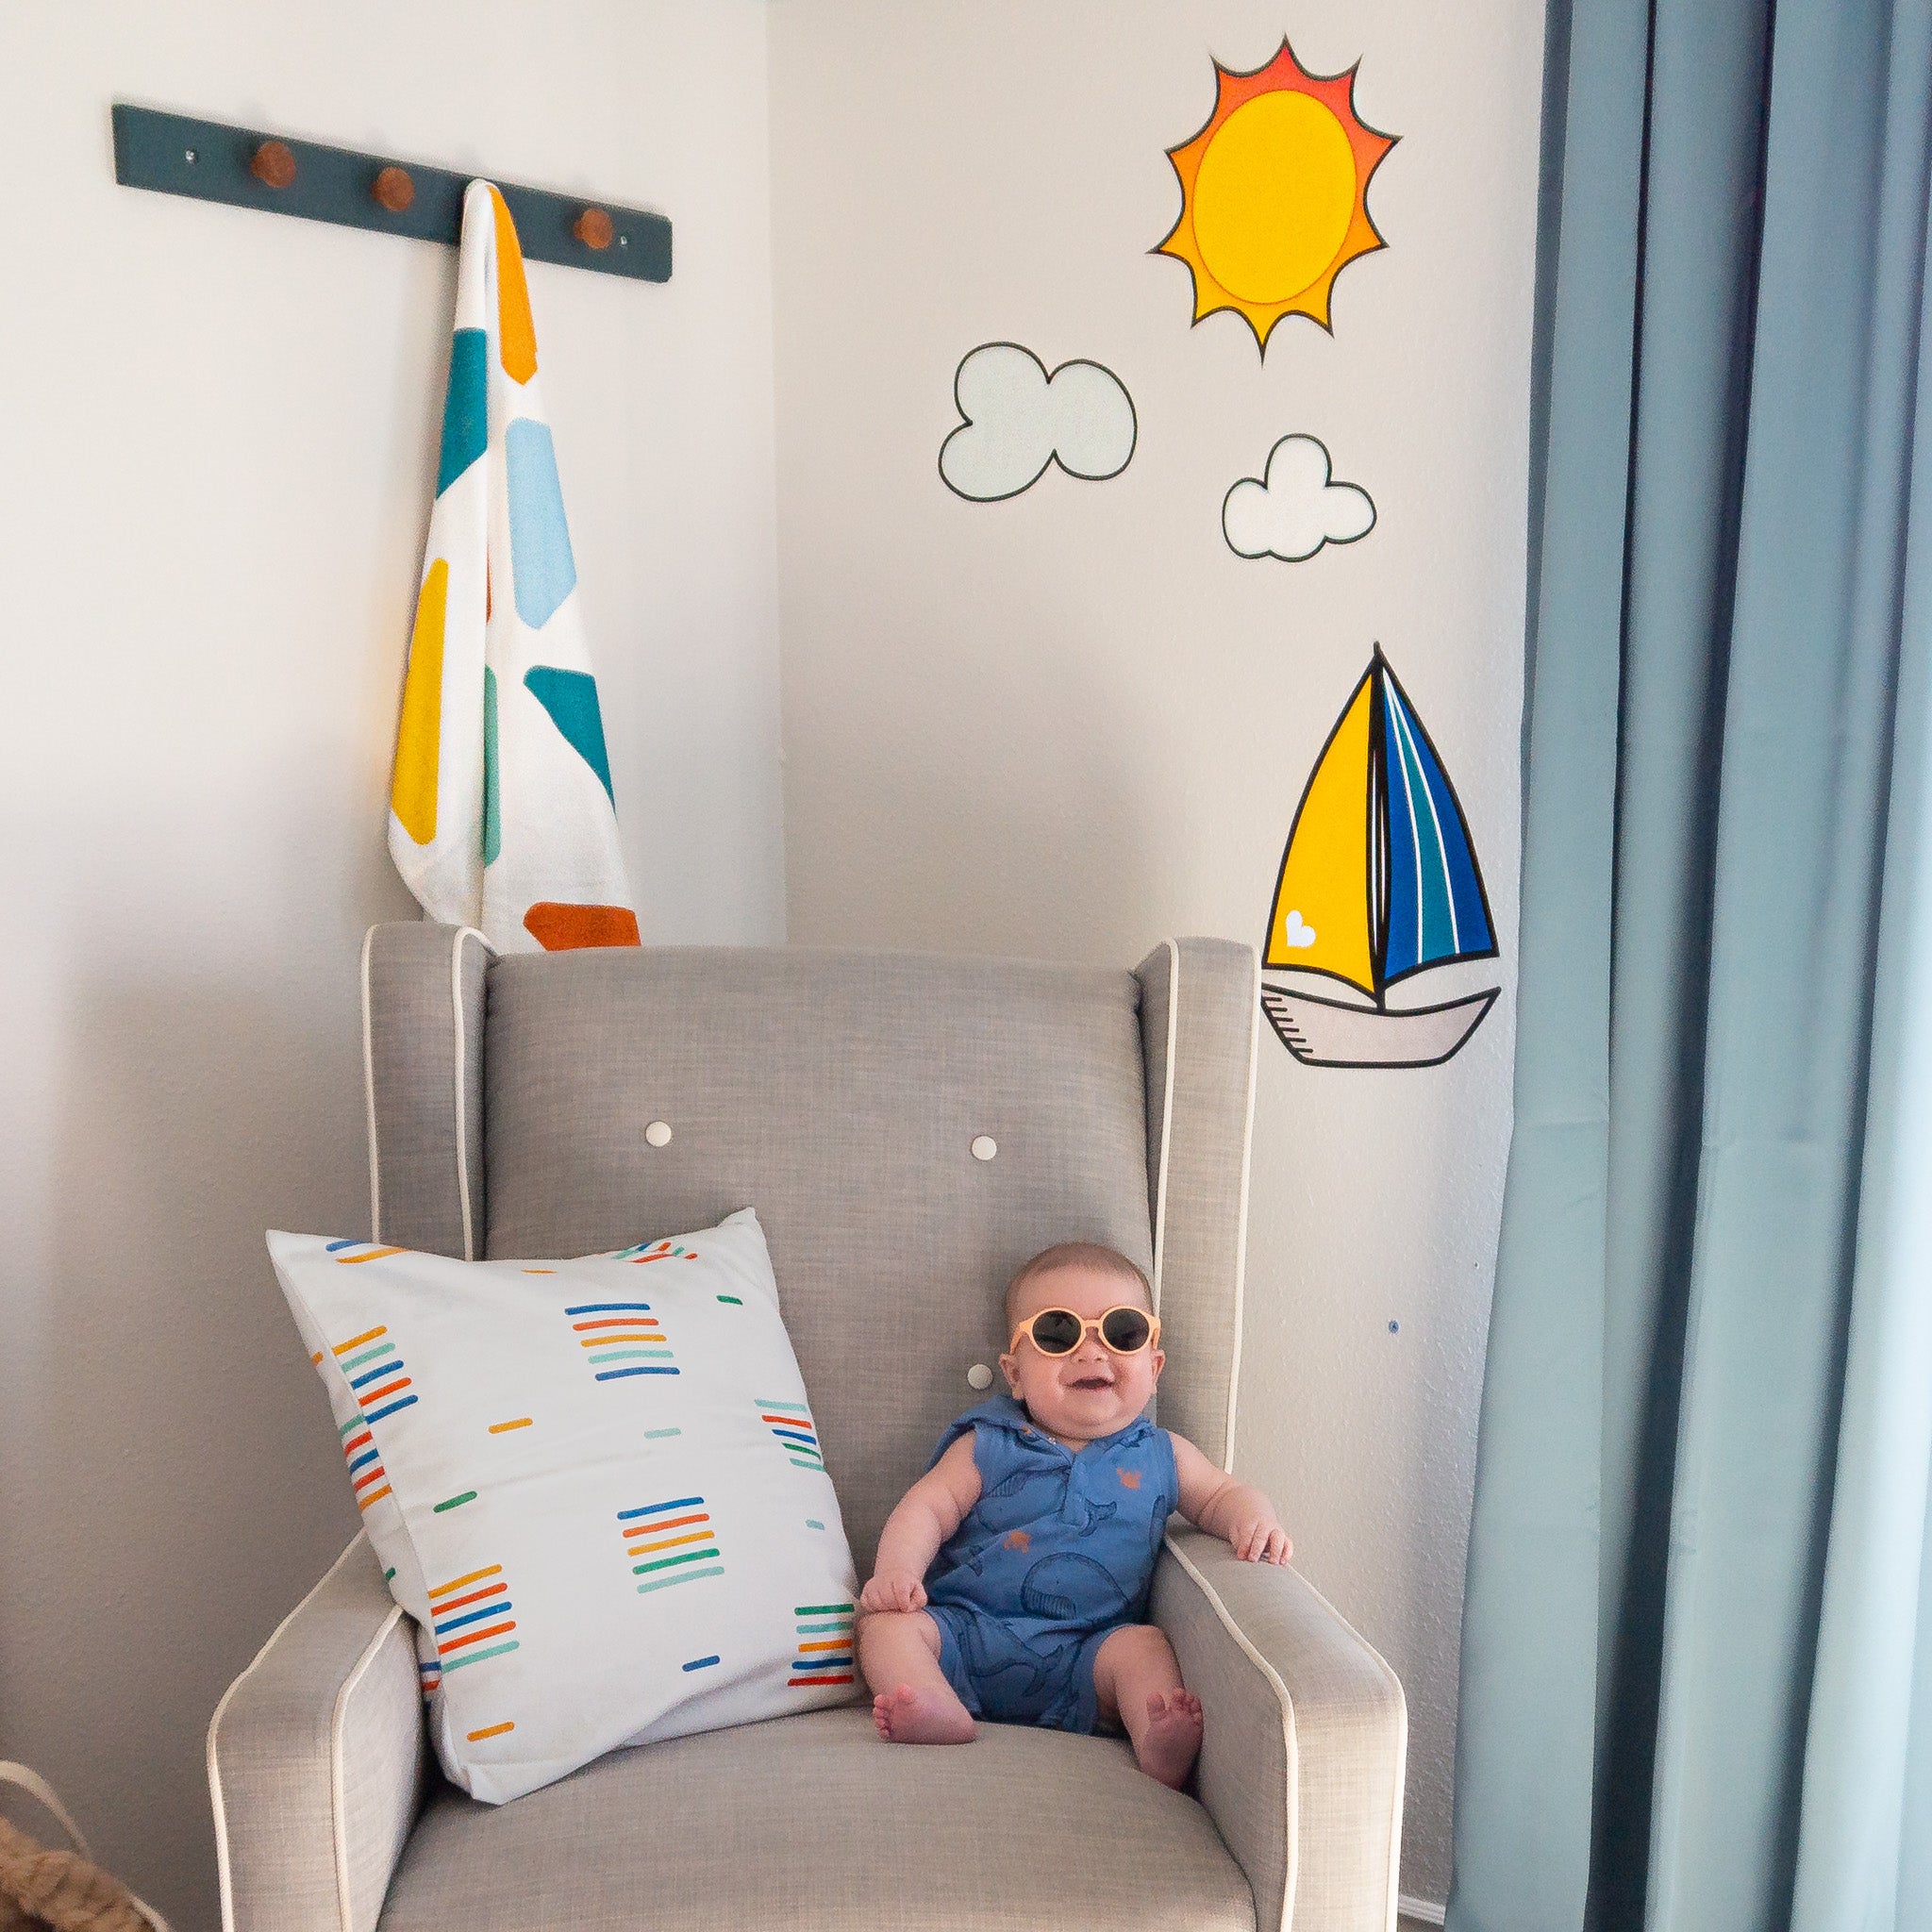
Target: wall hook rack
(247,167)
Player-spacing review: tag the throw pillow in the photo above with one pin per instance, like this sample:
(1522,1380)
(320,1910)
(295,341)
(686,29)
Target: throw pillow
(594,1484)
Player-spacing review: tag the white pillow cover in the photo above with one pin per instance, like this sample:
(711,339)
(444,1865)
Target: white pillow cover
(595,1485)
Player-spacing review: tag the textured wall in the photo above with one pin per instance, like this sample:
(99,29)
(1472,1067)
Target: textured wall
(1070,723)
(215,467)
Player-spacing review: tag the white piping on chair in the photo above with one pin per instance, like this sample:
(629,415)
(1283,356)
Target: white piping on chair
(337,1801)
(455,1006)
(223,1863)
(1174,1012)
(369,1092)
(1290,1744)
(1240,1254)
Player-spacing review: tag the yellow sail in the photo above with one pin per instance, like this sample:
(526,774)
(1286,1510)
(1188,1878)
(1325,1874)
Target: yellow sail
(1321,903)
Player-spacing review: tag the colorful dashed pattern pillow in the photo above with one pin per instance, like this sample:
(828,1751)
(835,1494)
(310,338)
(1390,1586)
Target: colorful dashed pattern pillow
(595,1485)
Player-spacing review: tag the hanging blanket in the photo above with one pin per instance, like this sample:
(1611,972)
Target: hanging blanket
(501,813)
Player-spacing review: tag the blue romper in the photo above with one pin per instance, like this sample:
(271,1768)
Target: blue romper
(1058,1553)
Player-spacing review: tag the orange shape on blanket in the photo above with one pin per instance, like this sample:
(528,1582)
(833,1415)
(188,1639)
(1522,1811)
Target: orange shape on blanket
(1019,1540)
(560,928)
(516,332)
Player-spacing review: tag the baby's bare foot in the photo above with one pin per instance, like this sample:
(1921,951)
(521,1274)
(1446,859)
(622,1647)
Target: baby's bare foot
(1166,1748)
(907,1716)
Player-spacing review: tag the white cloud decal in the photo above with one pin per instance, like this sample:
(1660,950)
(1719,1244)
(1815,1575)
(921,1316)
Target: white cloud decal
(1018,419)
(1297,508)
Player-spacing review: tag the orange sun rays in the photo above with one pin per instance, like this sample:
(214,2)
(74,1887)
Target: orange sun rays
(1274,199)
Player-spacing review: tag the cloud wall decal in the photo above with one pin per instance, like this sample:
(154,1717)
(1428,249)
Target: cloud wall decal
(1018,419)
(1297,507)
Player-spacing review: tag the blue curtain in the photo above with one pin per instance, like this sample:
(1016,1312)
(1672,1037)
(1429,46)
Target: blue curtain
(1697,1640)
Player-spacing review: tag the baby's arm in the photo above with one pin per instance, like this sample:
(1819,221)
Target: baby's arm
(1237,1512)
(927,1514)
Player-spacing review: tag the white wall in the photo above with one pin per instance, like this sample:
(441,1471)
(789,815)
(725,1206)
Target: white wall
(1072,722)
(216,454)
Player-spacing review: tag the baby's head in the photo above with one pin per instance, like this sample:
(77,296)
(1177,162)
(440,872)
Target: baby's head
(1090,1391)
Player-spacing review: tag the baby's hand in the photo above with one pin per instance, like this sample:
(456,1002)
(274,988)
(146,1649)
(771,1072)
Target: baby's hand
(892,1590)
(1259,1540)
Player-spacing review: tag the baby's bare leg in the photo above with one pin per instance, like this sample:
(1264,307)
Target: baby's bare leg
(899,1653)
(1138,1684)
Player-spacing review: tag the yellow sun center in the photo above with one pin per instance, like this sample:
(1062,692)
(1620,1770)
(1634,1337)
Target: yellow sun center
(1274,197)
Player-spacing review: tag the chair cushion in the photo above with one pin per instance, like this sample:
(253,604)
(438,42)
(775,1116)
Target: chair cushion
(840,1094)
(808,1823)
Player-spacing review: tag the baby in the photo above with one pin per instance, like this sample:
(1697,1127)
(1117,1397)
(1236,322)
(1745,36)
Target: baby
(1045,1511)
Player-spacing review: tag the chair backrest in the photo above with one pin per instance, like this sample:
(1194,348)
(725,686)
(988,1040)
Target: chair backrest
(840,1094)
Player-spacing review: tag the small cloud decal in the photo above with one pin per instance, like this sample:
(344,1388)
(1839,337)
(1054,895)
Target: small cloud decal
(1298,507)
(1017,418)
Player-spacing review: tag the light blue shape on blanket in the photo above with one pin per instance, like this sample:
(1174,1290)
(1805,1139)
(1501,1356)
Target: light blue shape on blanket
(541,559)
(571,698)
(465,417)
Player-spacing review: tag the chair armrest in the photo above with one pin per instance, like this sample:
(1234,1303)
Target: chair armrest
(315,1758)
(1306,1737)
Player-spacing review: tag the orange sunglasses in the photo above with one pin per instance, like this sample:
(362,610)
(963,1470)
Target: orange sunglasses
(1060,1331)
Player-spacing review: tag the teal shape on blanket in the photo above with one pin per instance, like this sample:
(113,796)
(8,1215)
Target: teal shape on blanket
(571,698)
(492,795)
(465,413)
(541,560)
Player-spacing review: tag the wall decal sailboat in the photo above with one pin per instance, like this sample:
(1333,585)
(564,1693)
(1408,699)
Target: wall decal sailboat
(1378,883)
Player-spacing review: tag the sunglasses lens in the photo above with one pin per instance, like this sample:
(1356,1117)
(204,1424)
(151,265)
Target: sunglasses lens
(1125,1330)
(1055,1332)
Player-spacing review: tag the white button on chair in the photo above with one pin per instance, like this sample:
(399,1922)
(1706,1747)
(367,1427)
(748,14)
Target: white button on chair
(659,1133)
(979,1377)
(984,1147)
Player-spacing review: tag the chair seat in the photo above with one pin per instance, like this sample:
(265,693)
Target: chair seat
(808,1823)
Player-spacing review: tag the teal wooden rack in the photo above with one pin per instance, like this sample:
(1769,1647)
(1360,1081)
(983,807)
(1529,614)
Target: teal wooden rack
(247,167)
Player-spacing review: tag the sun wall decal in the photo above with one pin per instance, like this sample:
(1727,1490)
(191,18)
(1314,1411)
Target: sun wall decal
(1274,193)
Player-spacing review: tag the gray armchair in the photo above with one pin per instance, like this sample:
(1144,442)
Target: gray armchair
(840,1094)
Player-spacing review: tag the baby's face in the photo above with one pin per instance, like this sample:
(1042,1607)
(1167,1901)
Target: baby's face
(1092,1393)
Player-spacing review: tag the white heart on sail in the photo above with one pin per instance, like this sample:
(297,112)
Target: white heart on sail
(1294,933)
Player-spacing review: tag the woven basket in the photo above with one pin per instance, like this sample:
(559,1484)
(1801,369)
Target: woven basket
(66,1892)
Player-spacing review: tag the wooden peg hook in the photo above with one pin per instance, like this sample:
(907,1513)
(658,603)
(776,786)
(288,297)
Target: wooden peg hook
(592,229)
(394,189)
(272,164)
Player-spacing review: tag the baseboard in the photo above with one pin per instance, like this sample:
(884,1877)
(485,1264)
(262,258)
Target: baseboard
(1424,1911)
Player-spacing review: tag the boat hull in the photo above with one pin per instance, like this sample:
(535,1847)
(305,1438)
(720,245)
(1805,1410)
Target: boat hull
(1336,1033)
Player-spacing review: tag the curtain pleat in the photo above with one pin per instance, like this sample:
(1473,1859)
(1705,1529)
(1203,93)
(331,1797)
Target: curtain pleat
(1530,1609)
(1865,1840)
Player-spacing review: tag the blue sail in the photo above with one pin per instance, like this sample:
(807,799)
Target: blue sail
(1436,908)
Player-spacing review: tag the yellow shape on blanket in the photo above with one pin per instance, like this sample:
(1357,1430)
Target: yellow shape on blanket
(419,737)
(516,331)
